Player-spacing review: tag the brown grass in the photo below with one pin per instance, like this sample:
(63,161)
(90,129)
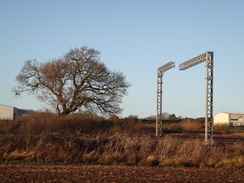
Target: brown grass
(91,139)
(123,150)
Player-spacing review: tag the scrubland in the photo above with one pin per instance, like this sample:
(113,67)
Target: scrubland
(91,139)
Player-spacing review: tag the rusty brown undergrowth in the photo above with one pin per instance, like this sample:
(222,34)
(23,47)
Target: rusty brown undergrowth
(123,150)
(90,139)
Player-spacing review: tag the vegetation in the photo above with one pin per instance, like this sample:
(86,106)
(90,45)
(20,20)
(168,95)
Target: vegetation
(77,80)
(90,139)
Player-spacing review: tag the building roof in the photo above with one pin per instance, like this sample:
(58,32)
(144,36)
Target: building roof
(6,105)
(15,107)
(238,113)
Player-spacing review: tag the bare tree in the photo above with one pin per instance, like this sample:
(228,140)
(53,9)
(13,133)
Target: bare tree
(78,79)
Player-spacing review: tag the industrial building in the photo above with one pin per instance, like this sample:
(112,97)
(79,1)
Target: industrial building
(11,113)
(229,118)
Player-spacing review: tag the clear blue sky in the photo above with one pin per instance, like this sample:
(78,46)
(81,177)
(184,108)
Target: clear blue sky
(135,37)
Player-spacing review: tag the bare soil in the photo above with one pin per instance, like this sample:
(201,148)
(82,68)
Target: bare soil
(29,172)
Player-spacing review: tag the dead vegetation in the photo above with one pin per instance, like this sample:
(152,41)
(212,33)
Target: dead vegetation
(90,139)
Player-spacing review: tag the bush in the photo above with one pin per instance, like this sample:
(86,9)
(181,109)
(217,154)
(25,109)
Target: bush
(79,124)
(192,125)
(75,123)
(7,126)
(175,127)
(221,128)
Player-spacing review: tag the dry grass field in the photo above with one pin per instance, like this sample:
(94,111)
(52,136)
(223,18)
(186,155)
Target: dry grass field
(121,150)
(38,173)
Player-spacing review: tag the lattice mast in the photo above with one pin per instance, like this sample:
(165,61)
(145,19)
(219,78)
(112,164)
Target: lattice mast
(208,58)
(159,117)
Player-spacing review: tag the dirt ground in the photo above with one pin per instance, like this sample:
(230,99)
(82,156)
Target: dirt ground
(22,172)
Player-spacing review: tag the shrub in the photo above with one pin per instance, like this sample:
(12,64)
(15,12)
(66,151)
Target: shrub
(192,125)
(175,127)
(79,123)
(221,128)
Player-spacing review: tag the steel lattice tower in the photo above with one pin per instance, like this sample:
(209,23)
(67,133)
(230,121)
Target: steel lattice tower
(159,104)
(209,97)
(208,58)
(160,73)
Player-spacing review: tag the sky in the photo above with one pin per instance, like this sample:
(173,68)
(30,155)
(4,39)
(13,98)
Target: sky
(134,37)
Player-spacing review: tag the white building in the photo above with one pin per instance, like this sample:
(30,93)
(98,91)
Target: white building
(11,113)
(229,118)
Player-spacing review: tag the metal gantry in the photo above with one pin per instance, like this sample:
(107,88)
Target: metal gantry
(160,73)
(207,57)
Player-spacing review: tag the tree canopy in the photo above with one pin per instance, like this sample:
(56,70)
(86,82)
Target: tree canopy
(77,79)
